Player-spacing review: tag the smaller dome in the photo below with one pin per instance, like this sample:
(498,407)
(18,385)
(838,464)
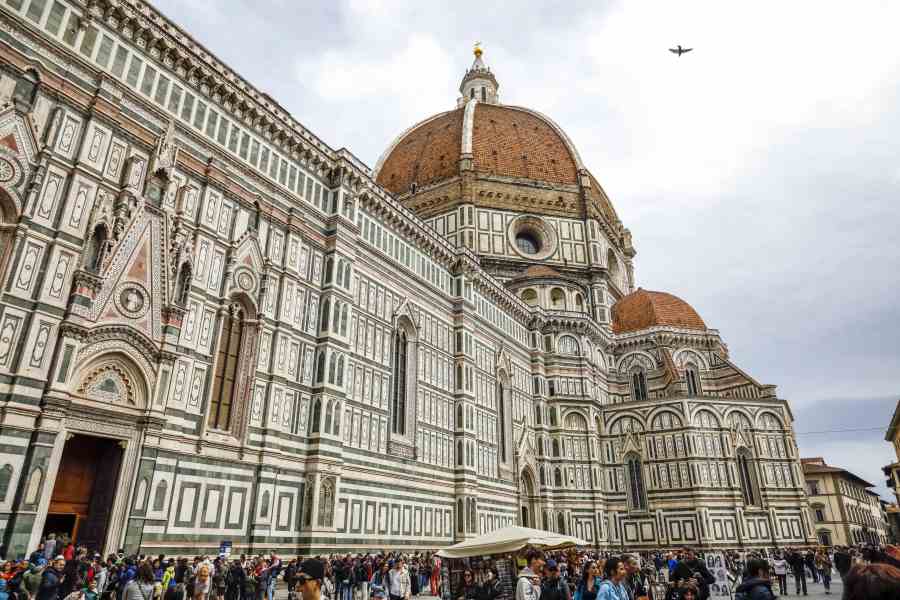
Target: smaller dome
(643,309)
(540,271)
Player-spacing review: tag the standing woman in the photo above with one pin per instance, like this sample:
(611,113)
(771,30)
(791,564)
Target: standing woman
(142,587)
(590,582)
(202,584)
(612,588)
(823,566)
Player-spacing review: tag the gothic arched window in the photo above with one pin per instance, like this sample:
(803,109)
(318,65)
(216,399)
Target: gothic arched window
(225,380)
(343,328)
(637,499)
(557,478)
(745,473)
(339,379)
(692,380)
(316,415)
(639,385)
(398,417)
(326,306)
(97,248)
(501,420)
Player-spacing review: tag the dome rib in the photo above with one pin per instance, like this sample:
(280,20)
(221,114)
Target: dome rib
(643,309)
(504,141)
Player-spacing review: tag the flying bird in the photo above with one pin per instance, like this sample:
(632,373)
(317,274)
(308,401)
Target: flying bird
(679,50)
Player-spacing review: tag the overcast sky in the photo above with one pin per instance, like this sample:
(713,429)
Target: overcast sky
(759,174)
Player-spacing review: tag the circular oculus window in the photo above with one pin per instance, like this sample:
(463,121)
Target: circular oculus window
(531,237)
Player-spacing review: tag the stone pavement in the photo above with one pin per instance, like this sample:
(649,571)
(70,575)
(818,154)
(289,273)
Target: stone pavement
(816,591)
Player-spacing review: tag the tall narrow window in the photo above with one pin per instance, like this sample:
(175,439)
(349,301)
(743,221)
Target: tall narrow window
(636,498)
(501,421)
(745,473)
(639,385)
(693,381)
(399,404)
(97,248)
(225,380)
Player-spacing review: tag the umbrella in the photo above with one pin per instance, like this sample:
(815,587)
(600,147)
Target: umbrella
(510,539)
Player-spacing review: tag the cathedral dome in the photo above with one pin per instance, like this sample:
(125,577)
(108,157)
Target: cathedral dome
(494,156)
(643,309)
(504,141)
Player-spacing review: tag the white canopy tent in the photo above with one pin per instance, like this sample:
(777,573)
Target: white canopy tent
(510,539)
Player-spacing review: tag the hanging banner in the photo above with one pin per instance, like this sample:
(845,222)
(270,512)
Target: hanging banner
(715,562)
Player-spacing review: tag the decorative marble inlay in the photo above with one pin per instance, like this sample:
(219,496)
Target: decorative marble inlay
(7,171)
(132,300)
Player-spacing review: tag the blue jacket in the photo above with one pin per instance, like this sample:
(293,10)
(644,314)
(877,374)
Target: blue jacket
(611,591)
(49,584)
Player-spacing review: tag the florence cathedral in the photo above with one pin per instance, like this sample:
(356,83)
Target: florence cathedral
(214,326)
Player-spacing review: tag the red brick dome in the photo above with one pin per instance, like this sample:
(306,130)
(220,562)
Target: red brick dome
(505,141)
(643,309)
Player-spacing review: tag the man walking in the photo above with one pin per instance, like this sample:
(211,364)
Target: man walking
(798,568)
(528,585)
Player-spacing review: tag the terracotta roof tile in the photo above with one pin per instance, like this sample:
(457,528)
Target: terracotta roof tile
(506,141)
(540,271)
(643,309)
(516,143)
(427,154)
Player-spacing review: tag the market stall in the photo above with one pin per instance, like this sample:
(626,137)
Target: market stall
(498,550)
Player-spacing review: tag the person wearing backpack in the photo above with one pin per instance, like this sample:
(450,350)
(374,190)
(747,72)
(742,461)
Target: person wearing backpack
(553,586)
(757,584)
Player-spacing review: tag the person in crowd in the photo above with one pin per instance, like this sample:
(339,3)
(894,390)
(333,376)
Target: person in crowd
(553,587)
(50,547)
(52,579)
(435,575)
(398,578)
(203,584)
(589,583)
(798,570)
(842,561)
(636,582)
(694,571)
(275,567)
(809,560)
(31,579)
(876,581)
(309,579)
(780,566)
(143,586)
(822,565)
(90,592)
(528,583)
(757,584)
(380,582)
(612,586)
(490,588)
(469,586)
(289,576)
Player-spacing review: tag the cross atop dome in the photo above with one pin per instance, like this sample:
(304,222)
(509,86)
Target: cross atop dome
(478,82)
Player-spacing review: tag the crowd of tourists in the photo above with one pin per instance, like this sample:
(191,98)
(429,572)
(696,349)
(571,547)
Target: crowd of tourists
(59,570)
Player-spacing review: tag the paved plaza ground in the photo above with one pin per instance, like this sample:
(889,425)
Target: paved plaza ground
(815,591)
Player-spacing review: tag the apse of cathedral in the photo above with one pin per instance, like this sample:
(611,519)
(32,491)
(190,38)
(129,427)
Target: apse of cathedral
(214,326)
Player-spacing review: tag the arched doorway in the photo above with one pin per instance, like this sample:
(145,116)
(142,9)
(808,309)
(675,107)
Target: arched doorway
(93,468)
(527,506)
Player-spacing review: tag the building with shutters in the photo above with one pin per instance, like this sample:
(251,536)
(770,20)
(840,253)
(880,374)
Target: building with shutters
(214,326)
(845,510)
